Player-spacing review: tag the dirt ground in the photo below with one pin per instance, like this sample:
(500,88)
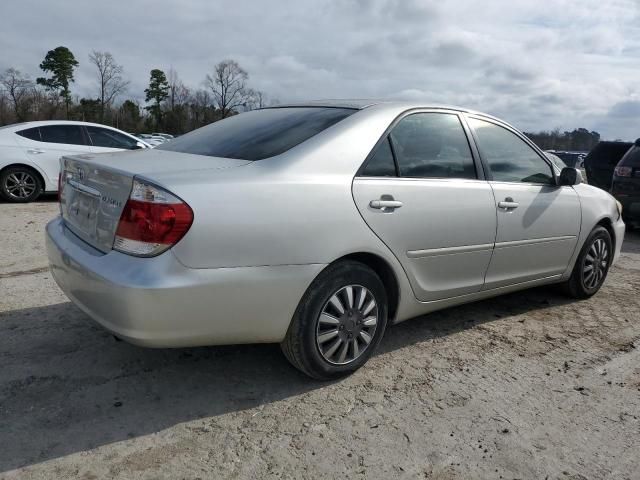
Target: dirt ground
(529,385)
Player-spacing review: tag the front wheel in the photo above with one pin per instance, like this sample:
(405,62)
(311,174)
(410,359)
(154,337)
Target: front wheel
(338,323)
(592,265)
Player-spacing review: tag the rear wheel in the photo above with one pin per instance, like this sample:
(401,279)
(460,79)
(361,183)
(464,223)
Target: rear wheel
(592,265)
(338,323)
(20,185)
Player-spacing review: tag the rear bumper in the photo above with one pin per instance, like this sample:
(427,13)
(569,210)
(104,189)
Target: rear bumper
(158,302)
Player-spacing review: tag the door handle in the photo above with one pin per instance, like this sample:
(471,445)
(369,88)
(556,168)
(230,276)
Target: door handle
(35,151)
(385,204)
(508,204)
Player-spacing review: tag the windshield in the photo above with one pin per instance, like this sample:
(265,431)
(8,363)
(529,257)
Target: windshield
(258,134)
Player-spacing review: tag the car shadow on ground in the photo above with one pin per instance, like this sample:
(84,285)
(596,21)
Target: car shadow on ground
(44,198)
(67,386)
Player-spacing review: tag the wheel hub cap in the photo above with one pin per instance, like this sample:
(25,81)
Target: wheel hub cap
(595,264)
(19,185)
(347,324)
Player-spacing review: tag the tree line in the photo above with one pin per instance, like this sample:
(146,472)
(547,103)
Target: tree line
(578,140)
(170,105)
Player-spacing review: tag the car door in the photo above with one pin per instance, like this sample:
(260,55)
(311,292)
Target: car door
(422,193)
(107,140)
(45,145)
(538,221)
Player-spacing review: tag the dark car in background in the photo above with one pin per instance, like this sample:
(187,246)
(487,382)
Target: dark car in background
(602,160)
(571,159)
(626,184)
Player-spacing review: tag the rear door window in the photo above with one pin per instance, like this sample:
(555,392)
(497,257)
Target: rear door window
(432,145)
(67,134)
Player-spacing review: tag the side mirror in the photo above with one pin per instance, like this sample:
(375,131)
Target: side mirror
(138,146)
(637,142)
(570,176)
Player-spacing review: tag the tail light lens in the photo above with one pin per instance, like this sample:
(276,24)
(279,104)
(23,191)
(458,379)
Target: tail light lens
(623,171)
(153,220)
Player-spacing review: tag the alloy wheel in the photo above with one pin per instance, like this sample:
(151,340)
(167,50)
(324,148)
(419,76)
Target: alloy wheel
(347,324)
(20,185)
(595,264)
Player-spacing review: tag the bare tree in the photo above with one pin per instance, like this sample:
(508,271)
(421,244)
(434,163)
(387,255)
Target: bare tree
(228,86)
(17,86)
(179,93)
(255,99)
(109,78)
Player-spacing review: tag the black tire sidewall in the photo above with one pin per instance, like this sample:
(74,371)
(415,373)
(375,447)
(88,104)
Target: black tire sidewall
(36,193)
(308,313)
(578,280)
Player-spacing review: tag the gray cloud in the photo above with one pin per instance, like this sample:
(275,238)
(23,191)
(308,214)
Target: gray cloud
(565,64)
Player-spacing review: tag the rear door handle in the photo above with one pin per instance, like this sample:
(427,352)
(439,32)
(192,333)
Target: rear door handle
(35,151)
(508,204)
(385,204)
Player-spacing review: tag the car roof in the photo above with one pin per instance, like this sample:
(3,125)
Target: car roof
(362,103)
(43,123)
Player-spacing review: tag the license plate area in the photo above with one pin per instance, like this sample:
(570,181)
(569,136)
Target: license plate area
(82,204)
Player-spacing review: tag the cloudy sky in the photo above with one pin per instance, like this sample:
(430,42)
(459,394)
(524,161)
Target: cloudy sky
(537,64)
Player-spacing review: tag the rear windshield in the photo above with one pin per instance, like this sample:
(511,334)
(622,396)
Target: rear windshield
(631,158)
(258,134)
(607,153)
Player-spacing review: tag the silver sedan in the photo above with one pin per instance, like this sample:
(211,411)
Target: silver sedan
(318,225)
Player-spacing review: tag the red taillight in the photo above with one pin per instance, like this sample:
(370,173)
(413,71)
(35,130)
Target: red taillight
(623,171)
(152,221)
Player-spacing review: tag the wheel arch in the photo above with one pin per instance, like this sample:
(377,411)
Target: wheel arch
(385,271)
(607,223)
(35,170)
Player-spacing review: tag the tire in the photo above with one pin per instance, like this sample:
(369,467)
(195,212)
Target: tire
(310,340)
(20,184)
(580,283)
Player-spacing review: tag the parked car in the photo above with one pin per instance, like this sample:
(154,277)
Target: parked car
(152,140)
(626,184)
(602,160)
(571,159)
(167,136)
(30,153)
(556,160)
(317,225)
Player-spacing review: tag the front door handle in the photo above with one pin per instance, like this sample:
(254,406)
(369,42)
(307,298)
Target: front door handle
(386,203)
(508,204)
(35,151)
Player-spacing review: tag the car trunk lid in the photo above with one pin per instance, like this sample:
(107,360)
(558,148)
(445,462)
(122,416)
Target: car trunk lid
(95,188)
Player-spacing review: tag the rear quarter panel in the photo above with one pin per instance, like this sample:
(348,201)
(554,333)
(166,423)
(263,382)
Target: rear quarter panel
(272,220)
(295,208)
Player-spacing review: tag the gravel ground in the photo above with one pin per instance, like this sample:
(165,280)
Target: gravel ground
(529,385)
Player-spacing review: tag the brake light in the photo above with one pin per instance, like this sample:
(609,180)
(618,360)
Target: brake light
(152,221)
(623,171)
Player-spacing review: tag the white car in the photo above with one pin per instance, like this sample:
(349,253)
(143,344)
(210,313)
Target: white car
(30,153)
(153,140)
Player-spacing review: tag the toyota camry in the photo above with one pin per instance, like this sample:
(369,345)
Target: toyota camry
(318,225)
